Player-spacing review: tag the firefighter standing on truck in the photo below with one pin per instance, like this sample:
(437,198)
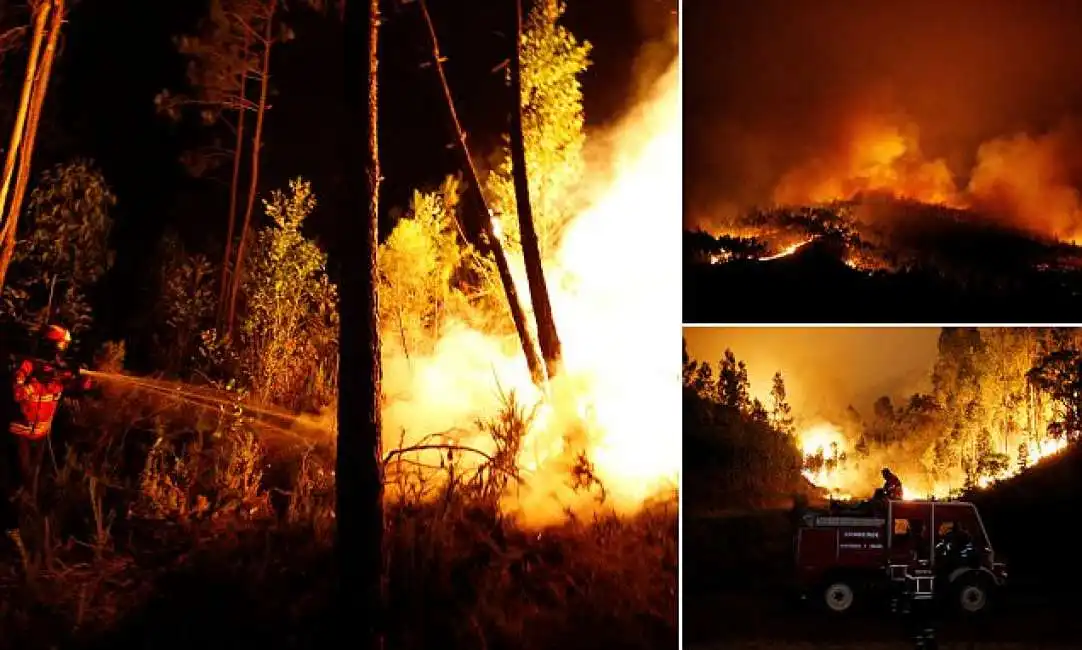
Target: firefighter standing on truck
(37,386)
(892,485)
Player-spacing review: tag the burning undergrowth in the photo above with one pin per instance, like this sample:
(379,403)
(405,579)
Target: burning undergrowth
(604,418)
(156,498)
(881,233)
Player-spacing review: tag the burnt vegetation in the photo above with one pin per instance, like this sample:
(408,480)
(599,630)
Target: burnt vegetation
(999,396)
(876,259)
(192,501)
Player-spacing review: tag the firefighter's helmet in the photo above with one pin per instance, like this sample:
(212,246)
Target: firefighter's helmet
(57,336)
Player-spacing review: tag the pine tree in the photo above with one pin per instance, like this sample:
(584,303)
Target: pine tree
(733,386)
(781,414)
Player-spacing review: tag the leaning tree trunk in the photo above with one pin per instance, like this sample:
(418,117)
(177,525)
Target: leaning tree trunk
(531,251)
(253,181)
(238,154)
(483,221)
(41,17)
(37,101)
(359,472)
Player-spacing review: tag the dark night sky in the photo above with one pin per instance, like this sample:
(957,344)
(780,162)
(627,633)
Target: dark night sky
(117,54)
(770,84)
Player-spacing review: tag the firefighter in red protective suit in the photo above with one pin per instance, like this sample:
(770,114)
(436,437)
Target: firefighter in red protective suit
(37,387)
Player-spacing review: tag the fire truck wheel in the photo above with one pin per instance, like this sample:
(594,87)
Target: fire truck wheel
(839,596)
(972,594)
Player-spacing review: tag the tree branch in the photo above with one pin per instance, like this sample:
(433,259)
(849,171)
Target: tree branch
(248,28)
(445,447)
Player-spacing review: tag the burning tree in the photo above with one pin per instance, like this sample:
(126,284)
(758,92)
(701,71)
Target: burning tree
(550,60)
(1002,399)
(547,336)
(482,229)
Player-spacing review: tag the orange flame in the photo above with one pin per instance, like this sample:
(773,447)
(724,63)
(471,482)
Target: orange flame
(860,476)
(617,397)
(787,251)
(1018,178)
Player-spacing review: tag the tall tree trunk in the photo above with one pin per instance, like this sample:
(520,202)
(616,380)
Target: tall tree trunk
(234,187)
(359,475)
(547,336)
(41,18)
(489,240)
(22,179)
(257,146)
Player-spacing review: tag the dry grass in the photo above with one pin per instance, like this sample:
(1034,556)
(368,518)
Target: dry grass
(159,518)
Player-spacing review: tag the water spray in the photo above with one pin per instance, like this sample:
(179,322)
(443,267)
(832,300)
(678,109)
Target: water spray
(211,399)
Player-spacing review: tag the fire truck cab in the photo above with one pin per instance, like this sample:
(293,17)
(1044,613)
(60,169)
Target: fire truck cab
(925,550)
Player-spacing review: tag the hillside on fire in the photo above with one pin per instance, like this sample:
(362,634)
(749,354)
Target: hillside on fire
(985,415)
(309,331)
(875,258)
(886,162)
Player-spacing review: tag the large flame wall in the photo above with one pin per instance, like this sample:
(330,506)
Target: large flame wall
(614,288)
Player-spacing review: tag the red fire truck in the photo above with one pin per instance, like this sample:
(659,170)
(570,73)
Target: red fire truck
(925,550)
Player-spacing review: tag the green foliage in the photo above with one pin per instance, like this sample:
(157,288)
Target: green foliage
(1059,375)
(186,300)
(418,264)
(429,277)
(552,123)
(66,250)
(289,330)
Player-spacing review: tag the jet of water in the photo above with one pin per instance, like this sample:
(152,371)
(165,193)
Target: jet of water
(217,400)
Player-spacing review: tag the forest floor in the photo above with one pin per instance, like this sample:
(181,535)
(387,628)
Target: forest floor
(457,577)
(196,539)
